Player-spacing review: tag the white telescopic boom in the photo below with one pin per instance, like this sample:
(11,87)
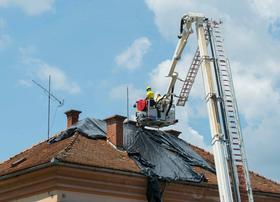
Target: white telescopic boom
(187,30)
(217,136)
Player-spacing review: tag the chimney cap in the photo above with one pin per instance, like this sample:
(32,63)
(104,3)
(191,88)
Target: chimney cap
(115,118)
(173,132)
(72,111)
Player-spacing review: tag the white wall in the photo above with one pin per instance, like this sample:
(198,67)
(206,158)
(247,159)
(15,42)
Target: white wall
(66,196)
(45,197)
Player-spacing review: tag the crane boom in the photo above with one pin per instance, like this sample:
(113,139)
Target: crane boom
(227,141)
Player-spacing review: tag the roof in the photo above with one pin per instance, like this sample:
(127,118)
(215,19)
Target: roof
(98,153)
(82,150)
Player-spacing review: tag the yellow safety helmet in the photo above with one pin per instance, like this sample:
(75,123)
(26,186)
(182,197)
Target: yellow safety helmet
(148,88)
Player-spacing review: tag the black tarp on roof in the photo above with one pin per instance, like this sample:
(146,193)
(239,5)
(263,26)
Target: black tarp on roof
(92,128)
(158,154)
(163,155)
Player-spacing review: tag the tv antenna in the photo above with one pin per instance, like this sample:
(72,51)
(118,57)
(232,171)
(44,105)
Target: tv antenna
(127,103)
(50,96)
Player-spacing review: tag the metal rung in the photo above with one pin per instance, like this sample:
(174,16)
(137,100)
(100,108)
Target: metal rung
(239,160)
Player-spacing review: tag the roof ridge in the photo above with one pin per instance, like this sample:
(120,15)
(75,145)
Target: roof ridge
(64,152)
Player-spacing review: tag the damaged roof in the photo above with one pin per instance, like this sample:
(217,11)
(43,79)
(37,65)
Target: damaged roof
(92,149)
(76,149)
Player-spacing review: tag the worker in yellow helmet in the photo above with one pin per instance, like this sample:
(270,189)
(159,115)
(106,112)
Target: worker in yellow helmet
(150,95)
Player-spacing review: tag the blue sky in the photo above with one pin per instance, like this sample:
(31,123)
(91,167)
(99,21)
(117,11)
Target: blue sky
(95,49)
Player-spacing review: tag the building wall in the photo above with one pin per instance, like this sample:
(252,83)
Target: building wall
(67,184)
(67,196)
(44,197)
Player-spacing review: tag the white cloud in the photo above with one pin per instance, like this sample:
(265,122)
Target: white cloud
(37,68)
(5,39)
(253,93)
(24,82)
(163,10)
(30,7)
(254,56)
(132,57)
(158,79)
(266,9)
(59,79)
(2,23)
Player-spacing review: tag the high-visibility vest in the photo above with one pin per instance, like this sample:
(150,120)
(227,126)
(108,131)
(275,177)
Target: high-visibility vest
(150,95)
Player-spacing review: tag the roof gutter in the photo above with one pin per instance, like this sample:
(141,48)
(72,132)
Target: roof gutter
(98,169)
(55,162)
(27,170)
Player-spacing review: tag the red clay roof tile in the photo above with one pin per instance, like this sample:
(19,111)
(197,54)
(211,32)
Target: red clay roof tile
(98,153)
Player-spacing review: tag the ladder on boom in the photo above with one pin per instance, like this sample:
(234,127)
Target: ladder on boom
(189,80)
(231,112)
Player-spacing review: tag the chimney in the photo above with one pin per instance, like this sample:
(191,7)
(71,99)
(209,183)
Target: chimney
(115,130)
(175,133)
(72,117)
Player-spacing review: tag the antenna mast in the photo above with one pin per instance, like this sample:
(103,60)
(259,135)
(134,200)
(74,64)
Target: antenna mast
(50,95)
(127,103)
(49,106)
